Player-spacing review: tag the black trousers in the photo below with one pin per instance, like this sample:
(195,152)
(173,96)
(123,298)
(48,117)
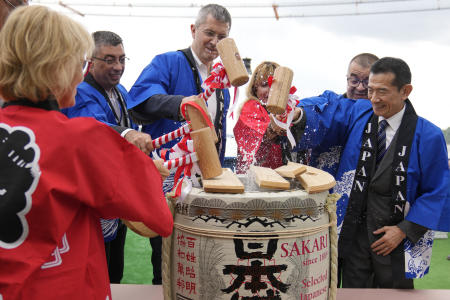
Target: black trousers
(156,244)
(362,268)
(115,254)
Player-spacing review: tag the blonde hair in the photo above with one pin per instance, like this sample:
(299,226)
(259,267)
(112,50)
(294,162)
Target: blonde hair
(260,75)
(262,72)
(40,52)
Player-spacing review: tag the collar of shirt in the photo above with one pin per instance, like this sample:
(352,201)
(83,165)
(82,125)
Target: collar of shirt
(204,73)
(393,124)
(202,68)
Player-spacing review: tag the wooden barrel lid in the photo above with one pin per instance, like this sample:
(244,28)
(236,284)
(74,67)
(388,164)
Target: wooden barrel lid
(315,180)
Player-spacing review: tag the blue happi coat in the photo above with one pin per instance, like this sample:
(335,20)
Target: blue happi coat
(333,121)
(170,74)
(89,102)
(327,153)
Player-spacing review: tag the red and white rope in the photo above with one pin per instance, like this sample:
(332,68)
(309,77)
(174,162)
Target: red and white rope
(181,161)
(171,136)
(207,93)
(217,80)
(185,162)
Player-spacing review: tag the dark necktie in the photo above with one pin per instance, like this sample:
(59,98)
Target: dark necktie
(381,141)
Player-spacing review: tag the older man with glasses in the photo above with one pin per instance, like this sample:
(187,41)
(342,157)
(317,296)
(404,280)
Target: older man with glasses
(101,95)
(358,75)
(324,157)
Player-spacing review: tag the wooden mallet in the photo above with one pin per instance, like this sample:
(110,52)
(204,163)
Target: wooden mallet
(279,90)
(205,155)
(232,63)
(197,116)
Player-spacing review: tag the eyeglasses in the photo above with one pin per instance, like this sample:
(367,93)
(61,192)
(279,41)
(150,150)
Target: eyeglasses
(112,61)
(213,34)
(354,82)
(85,65)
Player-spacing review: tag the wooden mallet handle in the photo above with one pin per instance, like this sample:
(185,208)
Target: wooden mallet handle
(208,159)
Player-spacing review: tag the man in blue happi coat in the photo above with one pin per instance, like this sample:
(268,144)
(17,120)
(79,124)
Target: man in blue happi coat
(102,97)
(170,80)
(393,177)
(358,70)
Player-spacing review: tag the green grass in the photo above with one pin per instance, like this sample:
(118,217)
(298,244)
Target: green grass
(439,275)
(138,267)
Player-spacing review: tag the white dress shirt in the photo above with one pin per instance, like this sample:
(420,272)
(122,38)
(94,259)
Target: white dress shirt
(393,125)
(204,73)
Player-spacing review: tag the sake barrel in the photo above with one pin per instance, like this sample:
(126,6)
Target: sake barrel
(263,244)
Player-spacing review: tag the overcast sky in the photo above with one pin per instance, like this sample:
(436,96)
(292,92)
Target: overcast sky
(317,49)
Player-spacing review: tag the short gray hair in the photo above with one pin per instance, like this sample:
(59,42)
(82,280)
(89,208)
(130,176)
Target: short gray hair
(106,38)
(218,12)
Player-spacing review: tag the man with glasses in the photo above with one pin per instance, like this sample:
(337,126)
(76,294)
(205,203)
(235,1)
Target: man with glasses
(170,80)
(102,97)
(358,75)
(172,77)
(327,158)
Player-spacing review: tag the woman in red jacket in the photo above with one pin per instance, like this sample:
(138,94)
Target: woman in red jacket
(257,141)
(58,176)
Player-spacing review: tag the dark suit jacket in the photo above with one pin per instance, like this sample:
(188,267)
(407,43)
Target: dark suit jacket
(379,203)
